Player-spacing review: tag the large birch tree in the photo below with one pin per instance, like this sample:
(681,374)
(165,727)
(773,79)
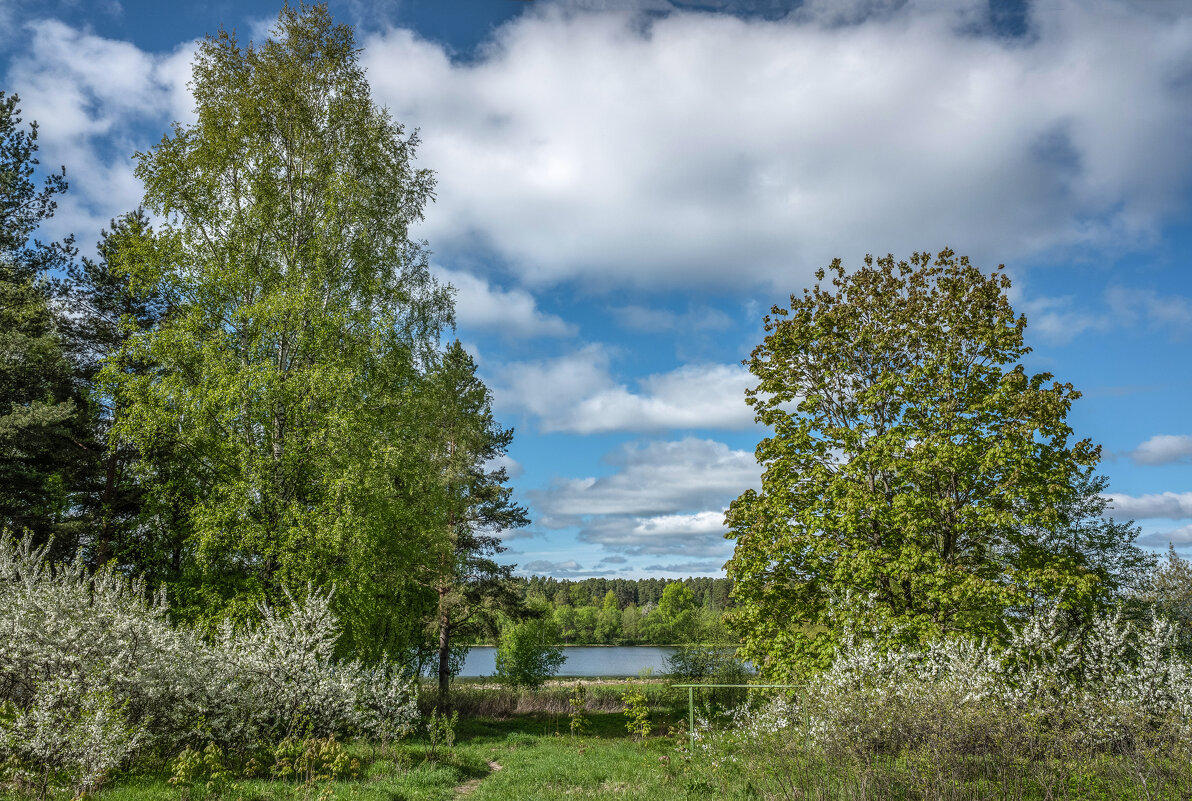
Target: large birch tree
(302,315)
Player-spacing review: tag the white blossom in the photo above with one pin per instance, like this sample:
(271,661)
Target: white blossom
(91,671)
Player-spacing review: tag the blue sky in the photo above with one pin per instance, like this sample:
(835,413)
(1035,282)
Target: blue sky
(625,186)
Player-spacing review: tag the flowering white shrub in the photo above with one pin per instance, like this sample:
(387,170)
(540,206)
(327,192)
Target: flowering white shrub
(91,670)
(1109,678)
(65,735)
(1112,702)
(277,679)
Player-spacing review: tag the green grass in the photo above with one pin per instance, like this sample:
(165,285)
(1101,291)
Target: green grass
(540,761)
(538,758)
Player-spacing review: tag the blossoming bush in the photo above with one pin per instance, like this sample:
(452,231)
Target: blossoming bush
(92,672)
(1100,712)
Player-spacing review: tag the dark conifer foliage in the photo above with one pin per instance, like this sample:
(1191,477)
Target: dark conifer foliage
(47,443)
(472,588)
(108,308)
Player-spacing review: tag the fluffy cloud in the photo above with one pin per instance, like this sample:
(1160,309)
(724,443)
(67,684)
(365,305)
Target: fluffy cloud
(1150,309)
(707,148)
(91,97)
(657,478)
(1171,505)
(513,468)
(640,318)
(569,569)
(699,534)
(665,498)
(1060,320)
(1181,538)
(553,568)
(510,312)
(576,393)
(1163,449)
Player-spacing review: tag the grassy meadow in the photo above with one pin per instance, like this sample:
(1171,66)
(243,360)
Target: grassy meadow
(517,745)
(528,756)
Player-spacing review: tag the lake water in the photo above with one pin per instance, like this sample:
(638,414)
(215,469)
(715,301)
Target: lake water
(582,660)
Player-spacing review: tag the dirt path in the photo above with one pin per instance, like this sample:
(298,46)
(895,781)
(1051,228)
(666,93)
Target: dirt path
(468,786)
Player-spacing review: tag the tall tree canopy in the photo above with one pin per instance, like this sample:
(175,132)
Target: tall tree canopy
(301,316)
(107,309)
(914,465)
(471,588)
(47,448)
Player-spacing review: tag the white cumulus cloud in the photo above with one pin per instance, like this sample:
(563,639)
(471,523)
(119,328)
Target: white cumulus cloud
(1164,449)
(699,534)
(656,478)
(1171,505)
(710,149)
(577,393)
(510,312)
(90,96)
(664,498)
(1150,309)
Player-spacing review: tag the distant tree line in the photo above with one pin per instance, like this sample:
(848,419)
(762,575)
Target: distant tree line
(617,611)
(706,591)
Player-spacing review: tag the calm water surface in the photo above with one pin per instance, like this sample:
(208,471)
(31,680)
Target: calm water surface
(582,660)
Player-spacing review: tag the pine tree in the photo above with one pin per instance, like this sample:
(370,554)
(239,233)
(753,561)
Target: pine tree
(47,447)
(471,587)
(109,309)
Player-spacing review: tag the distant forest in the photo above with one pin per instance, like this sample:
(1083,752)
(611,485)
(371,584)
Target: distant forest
(710,593)
(617,611)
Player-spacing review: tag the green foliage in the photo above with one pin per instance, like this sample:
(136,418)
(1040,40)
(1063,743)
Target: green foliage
(206,768)
(301,312)
(107,311)
(1046,717)
(629,611)
(528,652)
(46,441)
(440,731)
(704,661)
(914,460)
(577,718)
(475,505)
(676,599)
(313,760)
(637,712)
